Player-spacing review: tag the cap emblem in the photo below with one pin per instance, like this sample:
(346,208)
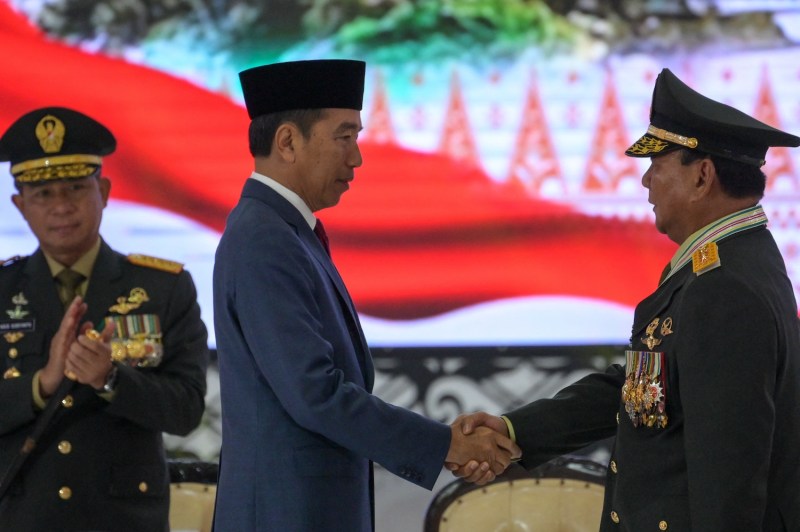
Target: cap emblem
(50,132)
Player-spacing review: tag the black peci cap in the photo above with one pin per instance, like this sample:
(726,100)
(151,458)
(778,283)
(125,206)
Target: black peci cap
(313,84)
(55,143)
(682,117)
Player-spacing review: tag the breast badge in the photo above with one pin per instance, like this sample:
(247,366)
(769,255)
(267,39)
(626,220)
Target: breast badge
(649,340)
(132,302)
(19,301)
(137,337)
(14,329)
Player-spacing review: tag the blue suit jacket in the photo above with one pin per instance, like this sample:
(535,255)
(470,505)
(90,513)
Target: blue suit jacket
(300,425)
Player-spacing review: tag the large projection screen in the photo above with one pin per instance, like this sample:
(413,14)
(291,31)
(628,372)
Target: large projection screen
(494,207)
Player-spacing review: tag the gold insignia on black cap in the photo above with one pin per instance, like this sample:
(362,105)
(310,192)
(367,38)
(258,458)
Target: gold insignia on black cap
(682,117)
(50,132)
(55,143)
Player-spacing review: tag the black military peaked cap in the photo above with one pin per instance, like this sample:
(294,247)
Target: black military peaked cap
(55,143)
(314,84)
(682,117)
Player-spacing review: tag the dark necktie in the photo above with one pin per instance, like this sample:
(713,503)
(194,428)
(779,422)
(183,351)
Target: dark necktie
(69,280)
(319,230)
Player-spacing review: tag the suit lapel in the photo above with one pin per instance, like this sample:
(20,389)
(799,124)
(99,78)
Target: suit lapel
(40,290)
(652,306)
(292,216)
(103,284)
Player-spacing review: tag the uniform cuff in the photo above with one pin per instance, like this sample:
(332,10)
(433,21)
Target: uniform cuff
(37,392)
(510,429)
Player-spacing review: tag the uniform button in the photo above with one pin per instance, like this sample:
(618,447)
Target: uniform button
(613,467)
(68,401)
(143,487)
(614,516)
(65,493)
(13,353)
(11,373)
(663,525)
(64,447)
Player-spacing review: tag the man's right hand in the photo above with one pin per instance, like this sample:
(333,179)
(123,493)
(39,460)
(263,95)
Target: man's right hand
(50,376)
(474,471)
(491,451)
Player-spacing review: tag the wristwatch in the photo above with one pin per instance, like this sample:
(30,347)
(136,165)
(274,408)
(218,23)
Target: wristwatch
(111,379)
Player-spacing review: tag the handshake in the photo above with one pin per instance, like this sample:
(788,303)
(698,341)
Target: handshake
(480,448)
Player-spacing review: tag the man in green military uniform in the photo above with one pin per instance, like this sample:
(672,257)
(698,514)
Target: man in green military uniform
(705,409)
(100,462)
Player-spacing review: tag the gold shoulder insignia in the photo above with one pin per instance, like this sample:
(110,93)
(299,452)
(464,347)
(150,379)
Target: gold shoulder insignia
(706,258)
(155,263)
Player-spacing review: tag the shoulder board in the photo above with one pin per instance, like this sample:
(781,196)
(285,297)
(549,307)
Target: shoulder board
(12,260)
(706,258)
(155,263)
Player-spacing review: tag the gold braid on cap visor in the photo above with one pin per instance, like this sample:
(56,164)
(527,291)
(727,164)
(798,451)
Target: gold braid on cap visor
(653,141)
(663,134)
(59,167)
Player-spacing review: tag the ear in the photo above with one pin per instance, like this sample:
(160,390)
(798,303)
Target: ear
(105,189)
(19,203)
(286,141)
(705,179)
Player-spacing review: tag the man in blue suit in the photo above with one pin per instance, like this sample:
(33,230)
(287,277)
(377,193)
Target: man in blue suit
(300,425)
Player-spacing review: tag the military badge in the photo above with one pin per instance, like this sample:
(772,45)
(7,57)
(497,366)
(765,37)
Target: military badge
(50,132)
(19,301)
(666,327)
(132,302)
(650,340)
(137,340)
(13,337)
(644,391)
(15,328)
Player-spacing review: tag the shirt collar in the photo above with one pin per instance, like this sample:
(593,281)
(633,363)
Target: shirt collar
(83,265)
(289,196)
(716,231)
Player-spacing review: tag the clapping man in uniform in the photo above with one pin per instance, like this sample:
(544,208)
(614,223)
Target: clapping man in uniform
(99,463)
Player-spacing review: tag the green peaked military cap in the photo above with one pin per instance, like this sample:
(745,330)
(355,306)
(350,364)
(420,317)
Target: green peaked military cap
(55,143)
(312,84)
(682,117)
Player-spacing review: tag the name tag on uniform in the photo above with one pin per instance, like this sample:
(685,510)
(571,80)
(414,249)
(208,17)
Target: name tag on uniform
(22,326)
